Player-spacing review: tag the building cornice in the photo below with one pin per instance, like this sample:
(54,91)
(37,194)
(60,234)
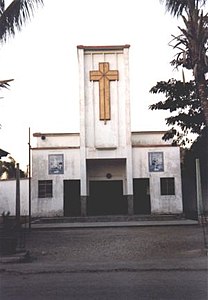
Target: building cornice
(55,148)
(103,48)
(148,132)
(40,134)
(153,146)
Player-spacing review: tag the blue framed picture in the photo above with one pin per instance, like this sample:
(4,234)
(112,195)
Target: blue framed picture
(156,162)
(56,164)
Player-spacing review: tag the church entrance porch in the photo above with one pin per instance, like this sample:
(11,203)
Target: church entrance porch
(106,187)
(106,198)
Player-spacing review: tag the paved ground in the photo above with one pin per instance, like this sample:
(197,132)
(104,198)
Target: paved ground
(115,244)
(163,262)
(102,224)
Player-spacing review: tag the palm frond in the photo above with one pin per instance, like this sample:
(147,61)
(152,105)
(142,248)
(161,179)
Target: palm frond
(5,83)
(2,6)
(177,7)
(15,15)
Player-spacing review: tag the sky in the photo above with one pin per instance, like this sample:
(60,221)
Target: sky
(42,60)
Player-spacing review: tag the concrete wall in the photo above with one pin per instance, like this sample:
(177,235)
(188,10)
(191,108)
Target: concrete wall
(52,206)
(160,203)
(45,140)
(96,168)
(99,134)
(141,138)
(112,133)
(8,196)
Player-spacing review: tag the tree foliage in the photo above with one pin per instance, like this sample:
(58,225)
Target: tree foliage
(15,15)
(12,18)
(192,43)
(8,169)
(177,7)
(187,101)
(184,106)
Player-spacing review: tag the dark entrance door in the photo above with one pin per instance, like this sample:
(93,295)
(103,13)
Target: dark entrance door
(72,205)
(141,196)
(106,198)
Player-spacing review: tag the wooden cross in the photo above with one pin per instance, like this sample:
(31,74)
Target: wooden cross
(104,76)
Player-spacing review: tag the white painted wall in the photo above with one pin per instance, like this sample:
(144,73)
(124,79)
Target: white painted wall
(52,206)
(148,138)
(99,134)
(100,139)
(116,132)
(8,196)
(160,203)
(57,139)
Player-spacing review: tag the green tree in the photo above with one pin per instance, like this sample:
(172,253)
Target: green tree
(188,101)
(192,44)
(185,109)
(8,169)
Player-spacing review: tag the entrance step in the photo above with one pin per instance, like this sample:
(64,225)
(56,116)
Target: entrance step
(110,218)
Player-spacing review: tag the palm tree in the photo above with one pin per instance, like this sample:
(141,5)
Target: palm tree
(192,43)
(14,17)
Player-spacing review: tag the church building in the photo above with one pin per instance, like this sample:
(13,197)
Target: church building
(105,169)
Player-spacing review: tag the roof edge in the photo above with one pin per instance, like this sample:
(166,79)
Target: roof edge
(39,134)
(107,47)
(149,132)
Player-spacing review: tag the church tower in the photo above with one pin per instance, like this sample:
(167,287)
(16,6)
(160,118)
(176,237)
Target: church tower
(105,130)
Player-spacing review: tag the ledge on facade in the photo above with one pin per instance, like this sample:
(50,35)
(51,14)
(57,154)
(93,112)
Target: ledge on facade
(149,139)
(107,47)
(152,145)
(55,148)
(148,132)
(39,134)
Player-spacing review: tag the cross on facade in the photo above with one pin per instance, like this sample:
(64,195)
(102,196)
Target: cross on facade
(104,76)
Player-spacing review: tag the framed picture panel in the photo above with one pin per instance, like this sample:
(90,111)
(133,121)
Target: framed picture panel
(56,164)
(156,162)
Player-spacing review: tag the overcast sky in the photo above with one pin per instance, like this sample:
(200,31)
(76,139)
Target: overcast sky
(42,60)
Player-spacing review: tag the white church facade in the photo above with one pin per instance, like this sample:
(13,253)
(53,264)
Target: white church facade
(105,169)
